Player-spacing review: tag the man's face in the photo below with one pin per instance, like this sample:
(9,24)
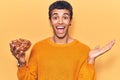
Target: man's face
(60,21)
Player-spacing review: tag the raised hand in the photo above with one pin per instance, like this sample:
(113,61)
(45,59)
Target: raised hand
(18,48)
(97,51)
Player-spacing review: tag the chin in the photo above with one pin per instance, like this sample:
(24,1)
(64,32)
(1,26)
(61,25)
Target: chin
(61,36)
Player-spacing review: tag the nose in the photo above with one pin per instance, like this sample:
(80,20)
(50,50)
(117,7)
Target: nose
(60,21)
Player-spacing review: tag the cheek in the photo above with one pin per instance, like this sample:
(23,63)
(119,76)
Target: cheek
(54,22)
(67,22)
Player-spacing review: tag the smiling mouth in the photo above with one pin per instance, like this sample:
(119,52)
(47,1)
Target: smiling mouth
(60,29)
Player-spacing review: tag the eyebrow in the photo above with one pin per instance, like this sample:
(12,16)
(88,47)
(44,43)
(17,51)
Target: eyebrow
(54,14)
(63,14)
(66,14)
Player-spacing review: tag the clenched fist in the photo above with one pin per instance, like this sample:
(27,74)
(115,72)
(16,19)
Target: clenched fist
(18,48)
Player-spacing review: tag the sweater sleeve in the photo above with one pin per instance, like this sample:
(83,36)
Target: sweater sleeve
(29,72)
(87,72)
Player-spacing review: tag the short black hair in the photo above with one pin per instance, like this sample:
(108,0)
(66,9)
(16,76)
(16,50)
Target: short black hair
(60,5)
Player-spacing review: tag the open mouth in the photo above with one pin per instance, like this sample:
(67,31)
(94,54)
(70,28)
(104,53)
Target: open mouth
(60,29)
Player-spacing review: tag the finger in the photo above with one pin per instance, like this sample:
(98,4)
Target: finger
(23,46)
(17,56)
(21,39)
(97,47)
(11,51)
(22,53)
(12,47)
(110,44)
(16,42)
(15,51)
(10,44)
(113,42)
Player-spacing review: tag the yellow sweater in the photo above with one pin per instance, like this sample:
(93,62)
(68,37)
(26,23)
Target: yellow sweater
(50,61)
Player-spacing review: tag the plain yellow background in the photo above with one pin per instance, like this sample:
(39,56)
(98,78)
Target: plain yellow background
(95,22)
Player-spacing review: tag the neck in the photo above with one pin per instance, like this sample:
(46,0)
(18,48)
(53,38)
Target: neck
(64,40)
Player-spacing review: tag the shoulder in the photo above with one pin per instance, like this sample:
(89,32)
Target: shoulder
(79,43)
(40,43)
(82,46)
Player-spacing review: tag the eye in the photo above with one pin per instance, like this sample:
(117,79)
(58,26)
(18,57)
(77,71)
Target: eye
(66,17)
(55,17)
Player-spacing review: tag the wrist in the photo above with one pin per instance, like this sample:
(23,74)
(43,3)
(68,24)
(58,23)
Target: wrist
(91,60)
(20,64)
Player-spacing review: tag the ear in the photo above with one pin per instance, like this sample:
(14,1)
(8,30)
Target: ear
(70,22)
(50,21)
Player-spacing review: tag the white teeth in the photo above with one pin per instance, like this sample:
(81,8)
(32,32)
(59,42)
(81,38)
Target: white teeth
(60,27)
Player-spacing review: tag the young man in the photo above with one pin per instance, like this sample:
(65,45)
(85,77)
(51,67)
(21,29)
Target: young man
(59,57)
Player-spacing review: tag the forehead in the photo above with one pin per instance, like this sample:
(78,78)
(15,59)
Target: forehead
(60,12)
